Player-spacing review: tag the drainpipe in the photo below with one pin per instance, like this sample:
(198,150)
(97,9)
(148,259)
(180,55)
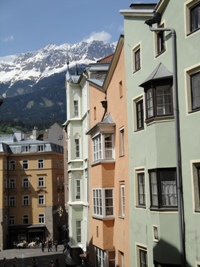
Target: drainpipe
(177,143)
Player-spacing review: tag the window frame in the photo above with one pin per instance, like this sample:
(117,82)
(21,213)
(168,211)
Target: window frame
(78,231)
(12,165)
(40,163)
(122,142)
(12,201)
(12,183)
(41,200)
(41,218)
(151,100)
(100,257)
(100,203)
(25,182)
(99,147)
(25,219)
(25,164)
(196,185)
(160,44)
(41,181)
(77,189)
(25,200)
(188,74)
(192,91)
(11,220)
(122,200)
(140,251)
(77,147)
(192,16)
(156,194)
(76,108)
(140,195)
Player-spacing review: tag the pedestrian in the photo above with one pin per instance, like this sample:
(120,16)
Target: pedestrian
(49,245)
(56,244)
(43,245)
(51,264)
(65,245)
(57,263)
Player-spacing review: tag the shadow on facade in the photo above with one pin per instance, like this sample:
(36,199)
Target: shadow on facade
(167,255)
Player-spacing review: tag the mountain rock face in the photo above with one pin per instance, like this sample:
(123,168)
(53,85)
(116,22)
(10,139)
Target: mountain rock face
(33,83)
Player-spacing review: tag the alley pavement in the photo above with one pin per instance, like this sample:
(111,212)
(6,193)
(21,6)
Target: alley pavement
(32,257)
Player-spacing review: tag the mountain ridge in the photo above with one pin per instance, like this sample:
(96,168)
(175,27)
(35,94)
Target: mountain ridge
(33,83)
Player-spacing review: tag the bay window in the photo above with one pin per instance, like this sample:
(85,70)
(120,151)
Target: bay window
(103,205)
(103,147)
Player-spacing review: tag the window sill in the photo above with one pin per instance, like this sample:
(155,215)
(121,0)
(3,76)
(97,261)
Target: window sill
(160,53)
(121,217)
(159,119)
(191,32)
(194,111)
(138,130)
(103,218)
(141,207)
(102,161)
(164,209)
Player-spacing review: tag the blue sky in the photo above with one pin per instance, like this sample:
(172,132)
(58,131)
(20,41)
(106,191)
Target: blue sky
(28,25)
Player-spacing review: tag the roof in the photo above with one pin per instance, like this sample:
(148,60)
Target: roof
(96,82)
(160,72)
(107,121)
(106,59)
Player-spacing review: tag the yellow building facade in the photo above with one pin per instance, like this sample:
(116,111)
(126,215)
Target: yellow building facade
(32,191)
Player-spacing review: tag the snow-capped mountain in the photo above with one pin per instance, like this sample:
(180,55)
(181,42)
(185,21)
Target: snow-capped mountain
(33,84)
(52,59)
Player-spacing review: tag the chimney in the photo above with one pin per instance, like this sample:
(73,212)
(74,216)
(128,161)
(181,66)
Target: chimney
(35,133)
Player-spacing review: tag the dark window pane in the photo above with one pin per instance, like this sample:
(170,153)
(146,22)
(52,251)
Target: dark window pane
(140,114)
(195,18)
(195,91)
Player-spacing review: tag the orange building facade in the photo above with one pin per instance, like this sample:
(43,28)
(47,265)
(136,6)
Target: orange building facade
(109,172)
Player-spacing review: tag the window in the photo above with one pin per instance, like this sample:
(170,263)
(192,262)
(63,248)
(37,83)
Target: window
(120,89)
(5,201)
(163,188)
(142,257)
(25,200)
(40,199)
(95,113)
(25,148)
(77,148)
(122,200)
(12,201)
(12,183)
(78,189)
(78,231)
(40,163)
(160,41)
(40,148)
(136,58)
(76,108)
(40,181)
(121,259)
(12,165)
(196,185)
(103,147)
(25,183)
(139,114)
(195,17)
(121,142)
(103,203)
(195,90)
(25,164)
(100,257)
(41,218)
(11,220)
(155,233)
(5,164)
(159,101)
(25,219)
(141,196)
